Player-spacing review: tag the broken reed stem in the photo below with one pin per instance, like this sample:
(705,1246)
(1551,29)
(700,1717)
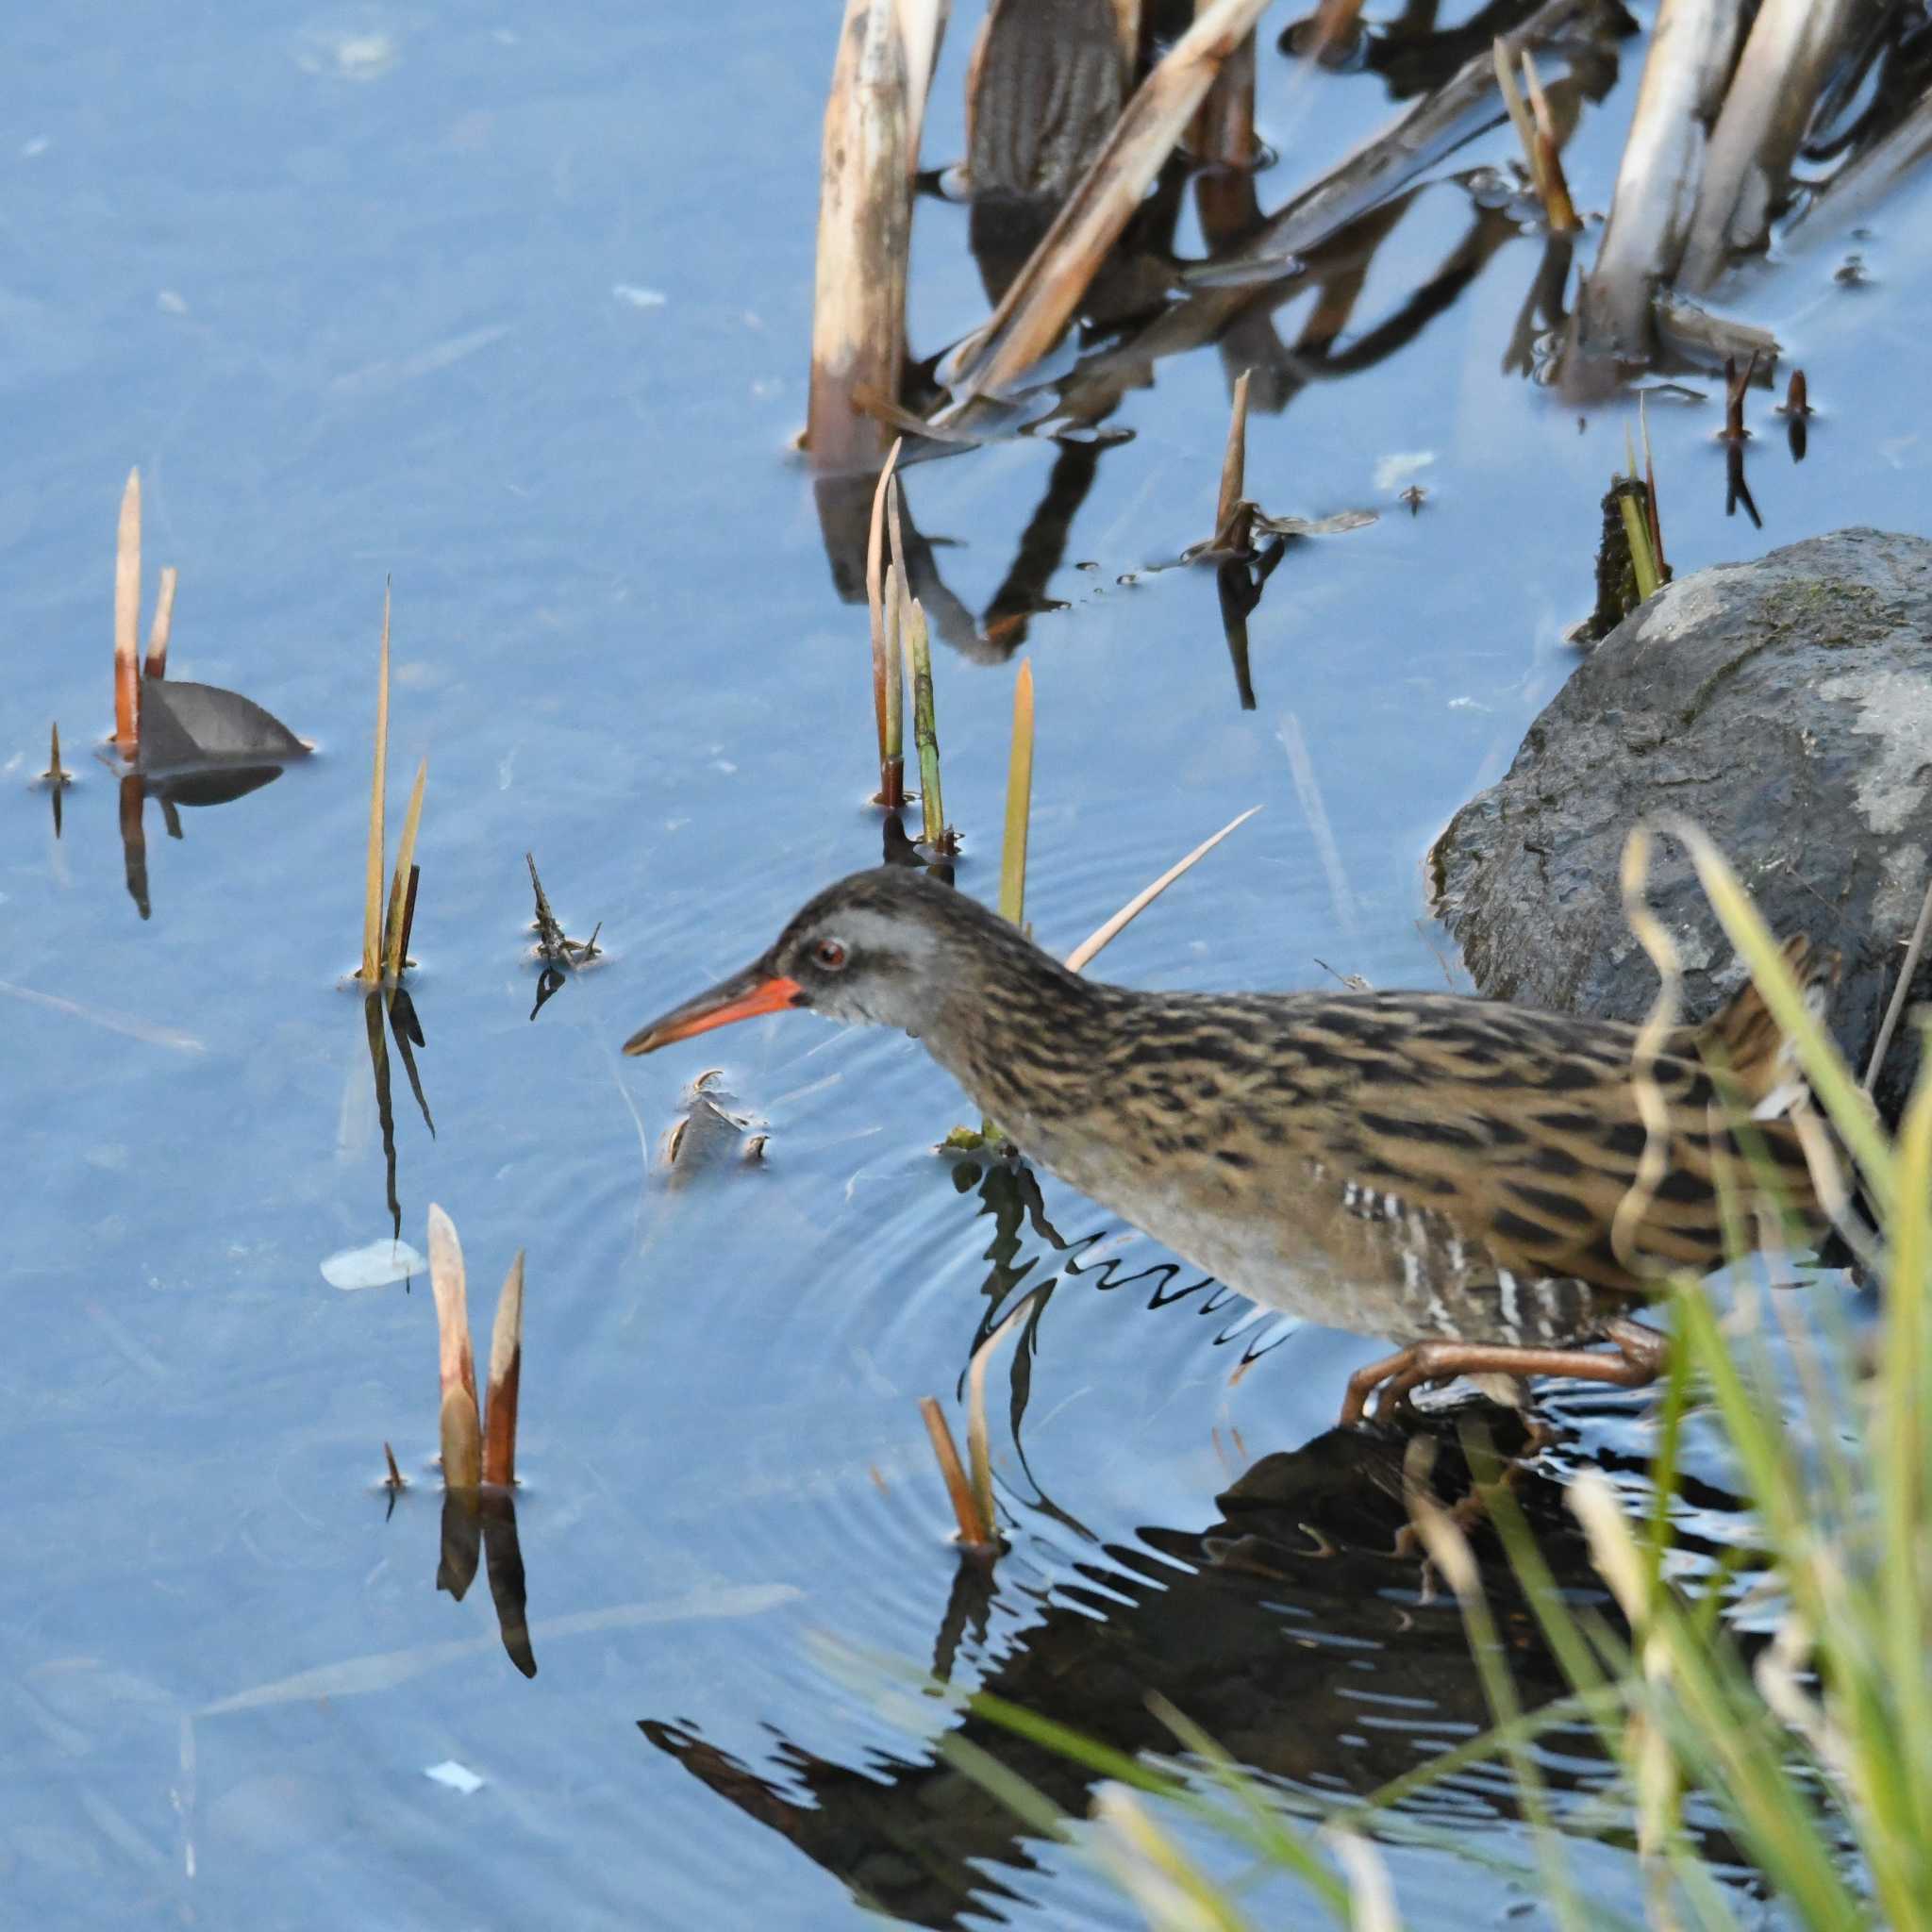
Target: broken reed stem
(409,912)
(395,958)
(978,1448)
(127,620)
(156,665)
(1083,953)
(1537,131)
(925,729)
(1547,159)
(1234,460)
(886,686)
(394,1480)
(1043,298)
(868,161)
(1222,133)
(975,1532)
(459,1423)
(1126,15)
(372,900)
(54,771)
(1019,801)
(506,1372)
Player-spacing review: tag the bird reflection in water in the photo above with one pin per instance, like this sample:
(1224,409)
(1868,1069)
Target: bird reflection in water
(1301,1630)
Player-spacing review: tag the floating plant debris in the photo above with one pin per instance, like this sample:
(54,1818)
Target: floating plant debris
(376,1265)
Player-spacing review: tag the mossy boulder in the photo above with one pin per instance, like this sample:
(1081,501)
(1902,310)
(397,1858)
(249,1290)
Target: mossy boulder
(1785,706)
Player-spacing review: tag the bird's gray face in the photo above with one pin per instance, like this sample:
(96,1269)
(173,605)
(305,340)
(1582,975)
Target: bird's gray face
(854,964)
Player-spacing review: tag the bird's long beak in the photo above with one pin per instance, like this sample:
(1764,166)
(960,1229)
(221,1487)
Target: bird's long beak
(743,996)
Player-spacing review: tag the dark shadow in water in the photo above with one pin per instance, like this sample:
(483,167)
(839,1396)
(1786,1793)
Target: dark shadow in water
(1300,1628)
(1737,490)
(406,1031)
(1238,580)
(484,1523)
(192,786)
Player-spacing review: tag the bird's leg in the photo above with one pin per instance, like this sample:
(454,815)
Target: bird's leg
(1638,1361)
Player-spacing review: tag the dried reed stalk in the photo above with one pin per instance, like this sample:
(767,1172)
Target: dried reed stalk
(1127,14)
(976,1532)
(888,683)
(1019,801)
(1791,46)
(506,1372)
(978,1443)
(1684,77)
(459,1423)
(868,161)
(127,620)
(156,665)
(926,735)
(1044,296)
(1234,469)
(1082,954)
(371,897)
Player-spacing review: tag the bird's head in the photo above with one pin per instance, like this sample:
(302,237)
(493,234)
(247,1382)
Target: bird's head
(886,946)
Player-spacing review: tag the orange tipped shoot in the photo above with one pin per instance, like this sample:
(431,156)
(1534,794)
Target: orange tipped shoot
(460,1425)
(127,620)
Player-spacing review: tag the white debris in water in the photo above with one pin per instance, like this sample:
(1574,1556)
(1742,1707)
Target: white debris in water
(458,1778)
(373,1266)
(636,297)
(1395,471)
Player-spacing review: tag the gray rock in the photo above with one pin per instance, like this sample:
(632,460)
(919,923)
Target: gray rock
(1786,707)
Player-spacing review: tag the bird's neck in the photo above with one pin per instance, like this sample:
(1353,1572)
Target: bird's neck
(1020,1033)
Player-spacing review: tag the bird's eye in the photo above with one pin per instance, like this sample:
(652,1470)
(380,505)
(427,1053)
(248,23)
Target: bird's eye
(830,954)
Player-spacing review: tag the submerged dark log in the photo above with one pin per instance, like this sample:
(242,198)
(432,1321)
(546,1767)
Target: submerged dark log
(1784,705)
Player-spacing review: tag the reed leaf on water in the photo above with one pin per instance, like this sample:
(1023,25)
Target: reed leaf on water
(397,928)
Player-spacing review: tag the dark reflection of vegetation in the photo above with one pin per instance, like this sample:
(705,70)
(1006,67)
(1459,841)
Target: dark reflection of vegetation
(196,787)
(406,1031)
(484,1522)
(1301,1628)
